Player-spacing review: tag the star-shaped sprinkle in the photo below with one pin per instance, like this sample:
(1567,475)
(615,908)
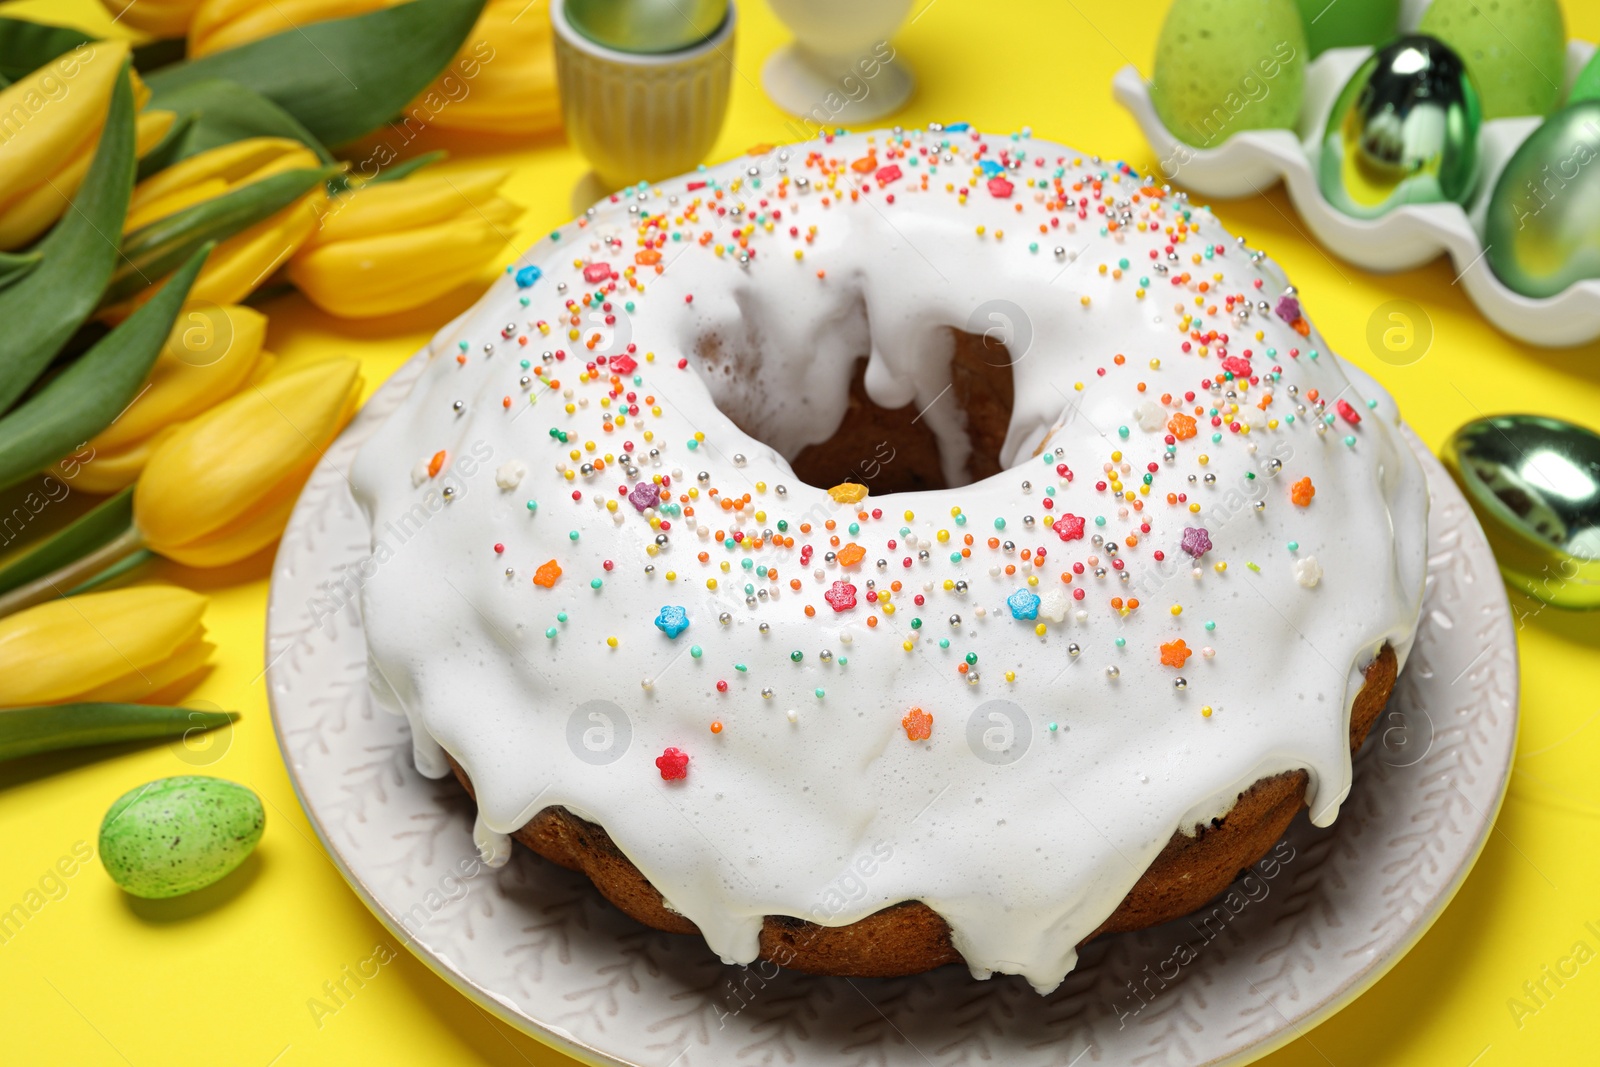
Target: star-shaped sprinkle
(1302,492)
(672,620)
(918,724)
(1024,604)
(851,554)
(1175,653)
(1196,541)
(673,764)
(841,597)
(1069,527)
(1181,426)
(645,495)
(547,574)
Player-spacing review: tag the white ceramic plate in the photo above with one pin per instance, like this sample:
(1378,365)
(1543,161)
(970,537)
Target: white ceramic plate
(536,945)
(1250,163)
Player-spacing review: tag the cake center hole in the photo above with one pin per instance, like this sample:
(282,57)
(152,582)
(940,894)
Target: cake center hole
(895,450)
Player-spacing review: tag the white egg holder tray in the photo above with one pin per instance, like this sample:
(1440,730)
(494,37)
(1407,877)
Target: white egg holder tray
(1250,163)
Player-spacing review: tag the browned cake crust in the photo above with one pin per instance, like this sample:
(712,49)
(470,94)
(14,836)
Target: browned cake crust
(910,937)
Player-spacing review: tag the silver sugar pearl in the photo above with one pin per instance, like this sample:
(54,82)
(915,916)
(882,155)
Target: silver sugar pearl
(766,627)
(1073,649)
(458,405)
(1180,683)
(724,618)
(1113,671)
(955,620)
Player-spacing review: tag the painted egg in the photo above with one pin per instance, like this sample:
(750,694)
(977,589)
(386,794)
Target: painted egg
(1348,23)
(175,835)
(1404,130)
(1587,87)
(1515,50)
(648,27)
(1224,66)
(1543,224)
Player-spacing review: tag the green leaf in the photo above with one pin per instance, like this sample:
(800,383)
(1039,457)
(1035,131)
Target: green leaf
(344,77)
(152,252)
(86,397)
(51,727)
(27,46)
(45,308)
(14,266)
(122,566)
(103,524)
(219,112)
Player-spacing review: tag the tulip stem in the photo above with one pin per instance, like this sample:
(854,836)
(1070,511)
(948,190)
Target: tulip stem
(74,574)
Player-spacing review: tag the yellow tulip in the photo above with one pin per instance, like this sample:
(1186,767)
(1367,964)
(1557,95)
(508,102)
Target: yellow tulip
(209,355)
(397,245)
(221,487)
(222,24)
(242,262)
(50,123)
(125,645)
(503,79)
(159,18)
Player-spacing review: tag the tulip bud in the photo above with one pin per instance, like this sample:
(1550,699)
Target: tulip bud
(397,245)
(125,645)
(244,260)
(159,18)
(50,124)
(503,78)
(221,487)
(209,355)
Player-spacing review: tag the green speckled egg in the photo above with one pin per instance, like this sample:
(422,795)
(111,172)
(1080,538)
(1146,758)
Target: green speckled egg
(1587,87)
(1224,66)
(1348,23)
(175,835)
(1515,50)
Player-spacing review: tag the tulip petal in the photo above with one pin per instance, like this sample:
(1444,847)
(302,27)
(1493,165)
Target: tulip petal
(110,470)
(210,352)
(153,683)
(416,202)
(62,106)
(76,644)
(235,163)
(159,18)
(216,468)
(382,275)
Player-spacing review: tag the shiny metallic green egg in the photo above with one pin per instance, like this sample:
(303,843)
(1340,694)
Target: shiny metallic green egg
(1404,130)
(647,27)
(1534,484)
(1543,225)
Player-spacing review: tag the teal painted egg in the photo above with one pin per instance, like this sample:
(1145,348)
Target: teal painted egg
(1515,50)
(1587,87)
(1543,225)
(175,835)
(647,27)
(1225,66)
(1404,130)
(1348,22)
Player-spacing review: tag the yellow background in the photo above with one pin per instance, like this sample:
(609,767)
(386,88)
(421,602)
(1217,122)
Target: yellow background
(224,976)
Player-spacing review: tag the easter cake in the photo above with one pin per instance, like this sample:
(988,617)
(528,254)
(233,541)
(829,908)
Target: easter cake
(892,550)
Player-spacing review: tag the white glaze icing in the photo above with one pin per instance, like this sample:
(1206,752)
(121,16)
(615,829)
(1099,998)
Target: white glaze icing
(821,806)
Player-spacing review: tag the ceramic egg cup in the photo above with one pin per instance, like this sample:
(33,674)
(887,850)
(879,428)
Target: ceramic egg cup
(1251,162)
